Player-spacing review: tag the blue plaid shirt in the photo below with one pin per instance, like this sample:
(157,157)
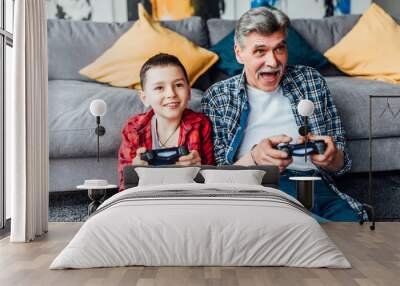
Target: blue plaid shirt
(226,104)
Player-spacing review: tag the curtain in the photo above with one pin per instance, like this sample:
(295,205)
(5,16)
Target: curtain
(26,124)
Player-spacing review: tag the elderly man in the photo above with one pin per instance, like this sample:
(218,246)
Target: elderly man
(253,112)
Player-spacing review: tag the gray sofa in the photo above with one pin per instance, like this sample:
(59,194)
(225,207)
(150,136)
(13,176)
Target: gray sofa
(73,45)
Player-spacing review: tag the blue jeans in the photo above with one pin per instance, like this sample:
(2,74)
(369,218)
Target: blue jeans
(328,206)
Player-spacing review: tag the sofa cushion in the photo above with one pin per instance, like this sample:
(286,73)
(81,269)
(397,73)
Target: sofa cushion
(322,34)
(74,44)
(351,96)
(71,125)
(381,60)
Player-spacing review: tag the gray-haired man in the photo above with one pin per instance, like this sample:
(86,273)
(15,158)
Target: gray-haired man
(253,112)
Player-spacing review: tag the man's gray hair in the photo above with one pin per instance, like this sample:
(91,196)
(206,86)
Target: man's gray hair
(263,20)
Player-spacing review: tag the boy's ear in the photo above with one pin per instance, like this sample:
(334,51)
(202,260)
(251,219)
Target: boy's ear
(143,98)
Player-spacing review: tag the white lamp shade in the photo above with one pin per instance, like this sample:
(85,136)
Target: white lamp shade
(305,107)
(98,107)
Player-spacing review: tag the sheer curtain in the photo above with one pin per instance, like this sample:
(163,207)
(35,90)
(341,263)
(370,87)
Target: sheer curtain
(26,124)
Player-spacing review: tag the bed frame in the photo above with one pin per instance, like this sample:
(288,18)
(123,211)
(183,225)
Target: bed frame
(270,179)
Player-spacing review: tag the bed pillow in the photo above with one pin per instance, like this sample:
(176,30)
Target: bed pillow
(299,53)
(248,177)
(166,176)
(120,65)
(371,50)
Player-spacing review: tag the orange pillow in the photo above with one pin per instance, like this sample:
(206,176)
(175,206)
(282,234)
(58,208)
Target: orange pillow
(120,65)
(371,49)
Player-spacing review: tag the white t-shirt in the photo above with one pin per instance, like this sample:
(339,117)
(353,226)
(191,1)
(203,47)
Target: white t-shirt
(270,115)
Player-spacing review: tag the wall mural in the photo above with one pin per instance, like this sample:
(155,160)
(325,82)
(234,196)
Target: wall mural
(332,7)
(69,9)
(169,10)
(160,9)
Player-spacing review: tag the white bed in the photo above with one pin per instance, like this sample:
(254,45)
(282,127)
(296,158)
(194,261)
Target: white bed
(201,224)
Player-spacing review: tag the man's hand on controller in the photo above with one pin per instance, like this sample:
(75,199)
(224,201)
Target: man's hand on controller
(137,160)
(193,158)
(332,160)
(265,153)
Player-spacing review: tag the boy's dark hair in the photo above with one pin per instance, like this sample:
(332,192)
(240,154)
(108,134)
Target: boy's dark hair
(160,60)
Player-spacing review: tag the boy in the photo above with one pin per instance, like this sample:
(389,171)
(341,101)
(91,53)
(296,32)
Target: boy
(168,123)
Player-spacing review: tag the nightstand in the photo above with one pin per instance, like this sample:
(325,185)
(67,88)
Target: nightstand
(96,194)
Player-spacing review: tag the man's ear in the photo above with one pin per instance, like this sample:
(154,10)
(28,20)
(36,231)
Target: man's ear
(238,53)
(143,98)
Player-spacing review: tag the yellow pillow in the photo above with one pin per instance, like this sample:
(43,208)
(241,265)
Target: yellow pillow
(120,65)
(371,49)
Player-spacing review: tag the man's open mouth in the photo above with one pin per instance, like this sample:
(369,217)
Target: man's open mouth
(269,75)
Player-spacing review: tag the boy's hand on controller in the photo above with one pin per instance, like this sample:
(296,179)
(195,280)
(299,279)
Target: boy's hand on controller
(137,160)
(333,158)
(265,153)
(193,158)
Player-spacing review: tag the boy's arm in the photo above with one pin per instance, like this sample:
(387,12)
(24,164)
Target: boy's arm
(207,150)
(126,154)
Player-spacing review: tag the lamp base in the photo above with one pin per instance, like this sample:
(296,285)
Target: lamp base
(100,130)
(305,190)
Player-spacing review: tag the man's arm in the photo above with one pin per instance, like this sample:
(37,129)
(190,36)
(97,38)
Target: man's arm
(265,153)
(211,109)
(341,163)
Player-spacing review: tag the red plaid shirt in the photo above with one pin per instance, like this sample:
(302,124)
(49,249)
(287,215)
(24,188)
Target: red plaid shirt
(195,133)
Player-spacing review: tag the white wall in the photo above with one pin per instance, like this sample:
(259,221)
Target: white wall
(293,8)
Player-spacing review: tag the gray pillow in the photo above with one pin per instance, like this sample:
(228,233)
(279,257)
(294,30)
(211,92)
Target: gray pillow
(248,177)
(166,176)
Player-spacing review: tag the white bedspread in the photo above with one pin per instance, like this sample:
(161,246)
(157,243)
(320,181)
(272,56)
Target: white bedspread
(201,230)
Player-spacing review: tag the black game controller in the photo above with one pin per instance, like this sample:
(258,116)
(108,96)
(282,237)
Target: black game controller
(167,156)
(300,150)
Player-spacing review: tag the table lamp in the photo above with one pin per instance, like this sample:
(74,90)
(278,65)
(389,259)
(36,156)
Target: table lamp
(305,108)
(98,108)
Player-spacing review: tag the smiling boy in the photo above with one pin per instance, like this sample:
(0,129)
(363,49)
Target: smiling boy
(168,123)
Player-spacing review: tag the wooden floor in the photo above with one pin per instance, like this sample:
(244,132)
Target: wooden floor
(374,255)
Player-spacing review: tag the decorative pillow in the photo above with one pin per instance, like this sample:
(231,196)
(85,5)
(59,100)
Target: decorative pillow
(299,53)
(120,65)
(166,176)
(248,177)
(227,60)
(371,49)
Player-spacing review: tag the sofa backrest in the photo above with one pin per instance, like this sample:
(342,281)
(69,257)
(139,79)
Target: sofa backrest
(321,34)
(74,44)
